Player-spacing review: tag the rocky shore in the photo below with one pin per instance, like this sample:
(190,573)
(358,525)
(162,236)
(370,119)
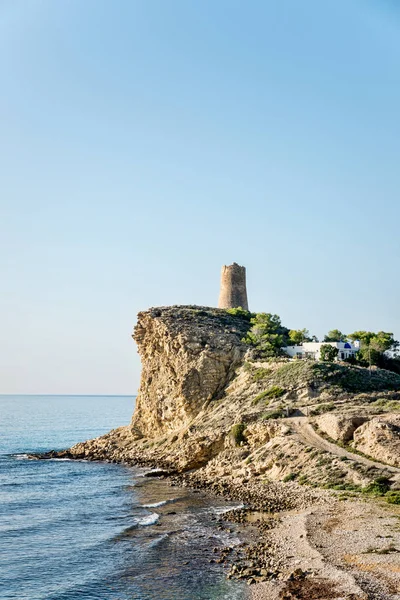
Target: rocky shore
(285,439)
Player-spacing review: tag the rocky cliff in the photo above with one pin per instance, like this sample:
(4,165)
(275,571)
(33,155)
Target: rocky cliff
(189,355)
(204,404)
(268,434)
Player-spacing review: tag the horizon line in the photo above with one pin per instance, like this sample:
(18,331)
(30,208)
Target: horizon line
(81,395)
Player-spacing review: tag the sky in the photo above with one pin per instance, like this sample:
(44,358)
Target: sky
(145,143)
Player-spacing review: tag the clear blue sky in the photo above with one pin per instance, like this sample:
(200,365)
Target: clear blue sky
(146,143)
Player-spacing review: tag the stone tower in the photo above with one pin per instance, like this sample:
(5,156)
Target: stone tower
(233,287)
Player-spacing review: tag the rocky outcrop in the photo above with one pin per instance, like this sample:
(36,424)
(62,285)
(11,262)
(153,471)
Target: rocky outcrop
(380,438)
(204,403)
(211,416)
(340,427)
(189,355)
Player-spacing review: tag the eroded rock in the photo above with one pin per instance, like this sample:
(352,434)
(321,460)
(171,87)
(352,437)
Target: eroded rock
(189,355)
(340,427)
(380,439)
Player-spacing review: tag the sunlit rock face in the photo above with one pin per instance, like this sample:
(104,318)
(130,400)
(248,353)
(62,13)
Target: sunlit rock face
(189,355)
(380,438)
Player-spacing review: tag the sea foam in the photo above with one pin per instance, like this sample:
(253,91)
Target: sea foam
(157,504)
(148,519)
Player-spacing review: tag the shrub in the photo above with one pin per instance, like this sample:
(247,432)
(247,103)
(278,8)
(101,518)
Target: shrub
(328,352)
(261,374)
(267,335)
(343,378)
(260,397)
(322,408)
(378,487)
(290,477)
(237,433)
(274,392)
(388,404)
(393,497)
(239,312)
(273,414)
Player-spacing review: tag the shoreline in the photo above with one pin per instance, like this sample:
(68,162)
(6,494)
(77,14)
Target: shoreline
(299,542)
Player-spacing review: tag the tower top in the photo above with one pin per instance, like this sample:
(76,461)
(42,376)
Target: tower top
(233,291)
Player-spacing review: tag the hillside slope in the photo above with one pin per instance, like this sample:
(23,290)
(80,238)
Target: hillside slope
(277,436)
(203,404)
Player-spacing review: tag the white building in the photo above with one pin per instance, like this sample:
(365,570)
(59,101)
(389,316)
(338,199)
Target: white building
(312,350)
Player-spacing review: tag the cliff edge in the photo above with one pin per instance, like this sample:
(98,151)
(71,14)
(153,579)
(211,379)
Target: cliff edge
(189,355)
(203,403)
(278,435)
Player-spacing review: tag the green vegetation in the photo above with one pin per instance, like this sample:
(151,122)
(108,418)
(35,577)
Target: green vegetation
(274,392)
(386,404)
(240,312)
(328,353)
(322,408)
(393,497)
(303,479)
(259,397)
(298,336)
(333,485)
(273,414)
(346,378)
(380,341)
(378,487)
(373,349)
(267,335)
(290,477)
(237,432)
(261,374)
(335,336)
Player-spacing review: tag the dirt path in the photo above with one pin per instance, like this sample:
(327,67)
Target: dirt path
(307,434)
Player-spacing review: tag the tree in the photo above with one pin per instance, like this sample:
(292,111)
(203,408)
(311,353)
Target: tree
(328,352)
(335,336)
(267,334)
(363,336)
(373,346)
(298,336)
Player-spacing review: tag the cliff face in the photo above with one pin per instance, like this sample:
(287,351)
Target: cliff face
(253,431)
(189,355)
(203,405)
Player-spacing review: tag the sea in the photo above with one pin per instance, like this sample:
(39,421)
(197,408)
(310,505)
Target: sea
(80,530)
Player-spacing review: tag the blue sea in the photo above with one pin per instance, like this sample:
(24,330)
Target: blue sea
(78,530)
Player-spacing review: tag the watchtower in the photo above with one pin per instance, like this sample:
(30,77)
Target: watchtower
(233,287)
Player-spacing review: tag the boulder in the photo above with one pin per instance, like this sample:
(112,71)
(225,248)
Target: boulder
(340,427)
(380,439)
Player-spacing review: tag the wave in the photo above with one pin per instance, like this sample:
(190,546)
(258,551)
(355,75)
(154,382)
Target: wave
(151,472)
(144,521)
(220,510)
(157,504)
(148,519)
(24,456)
(158,540)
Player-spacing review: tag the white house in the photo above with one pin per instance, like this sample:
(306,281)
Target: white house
(312,350)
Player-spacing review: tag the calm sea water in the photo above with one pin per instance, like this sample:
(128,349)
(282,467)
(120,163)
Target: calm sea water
(76,530)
